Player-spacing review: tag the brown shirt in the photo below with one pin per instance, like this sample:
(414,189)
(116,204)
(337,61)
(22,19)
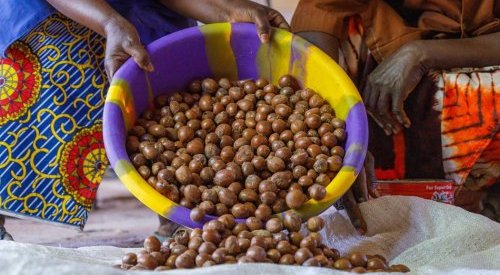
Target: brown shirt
(386,30)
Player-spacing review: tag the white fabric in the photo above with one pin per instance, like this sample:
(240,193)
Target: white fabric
(429,237)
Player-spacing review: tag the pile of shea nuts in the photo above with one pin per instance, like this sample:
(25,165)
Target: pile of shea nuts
(223,241)
(245,148)
(242,149)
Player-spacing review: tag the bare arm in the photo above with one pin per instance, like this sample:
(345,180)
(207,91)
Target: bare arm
(122,39)
(396,77)
(94,14)
(478,51)
(212,11)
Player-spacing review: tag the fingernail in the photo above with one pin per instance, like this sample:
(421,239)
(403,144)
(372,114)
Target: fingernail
(264,37)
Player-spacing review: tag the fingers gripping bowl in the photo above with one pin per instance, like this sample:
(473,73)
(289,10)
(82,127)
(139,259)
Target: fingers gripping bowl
(233,51)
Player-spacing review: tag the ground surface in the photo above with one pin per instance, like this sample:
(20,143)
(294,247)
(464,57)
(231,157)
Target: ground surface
(119,220)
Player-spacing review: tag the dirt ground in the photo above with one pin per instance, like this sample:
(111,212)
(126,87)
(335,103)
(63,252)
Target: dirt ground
(119,220)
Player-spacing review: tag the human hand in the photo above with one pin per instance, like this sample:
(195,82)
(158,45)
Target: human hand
(389,85)
(362,190)
(263,17)
(122,42)
(212,11)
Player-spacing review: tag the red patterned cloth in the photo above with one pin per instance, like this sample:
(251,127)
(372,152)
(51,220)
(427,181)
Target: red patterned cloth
(455,128)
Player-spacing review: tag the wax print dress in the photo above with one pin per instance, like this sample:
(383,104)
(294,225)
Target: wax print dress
(52,91)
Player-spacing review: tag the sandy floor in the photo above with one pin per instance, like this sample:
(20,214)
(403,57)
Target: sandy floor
(119,220)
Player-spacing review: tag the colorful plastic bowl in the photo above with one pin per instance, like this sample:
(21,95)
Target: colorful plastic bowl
(233,51)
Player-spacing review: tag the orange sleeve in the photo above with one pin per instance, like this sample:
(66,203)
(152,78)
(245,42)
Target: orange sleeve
(328,16)
(384,29)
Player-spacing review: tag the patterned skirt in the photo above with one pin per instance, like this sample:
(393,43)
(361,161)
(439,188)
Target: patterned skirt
(455,123)
(52,89)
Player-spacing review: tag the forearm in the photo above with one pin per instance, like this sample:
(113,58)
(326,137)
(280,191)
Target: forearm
(206,11)
(97,15)
(326,42)
(479,51)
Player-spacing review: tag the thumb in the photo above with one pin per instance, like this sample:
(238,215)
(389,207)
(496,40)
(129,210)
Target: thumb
(263,26)
(111,65)
(140,56)
(397,109)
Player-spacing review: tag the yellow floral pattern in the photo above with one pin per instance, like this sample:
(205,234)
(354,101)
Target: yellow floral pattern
(51,150)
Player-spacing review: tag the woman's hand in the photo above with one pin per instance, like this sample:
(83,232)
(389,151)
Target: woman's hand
(122,42)
(396,77)
(389,85)
(362,190)
(212,11)
(263,17)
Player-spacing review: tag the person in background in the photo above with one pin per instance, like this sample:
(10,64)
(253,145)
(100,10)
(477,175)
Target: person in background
(429,74)
(56,59)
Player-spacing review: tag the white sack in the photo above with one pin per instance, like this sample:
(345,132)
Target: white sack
(428,237)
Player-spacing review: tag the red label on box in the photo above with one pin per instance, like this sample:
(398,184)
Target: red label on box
(436,190)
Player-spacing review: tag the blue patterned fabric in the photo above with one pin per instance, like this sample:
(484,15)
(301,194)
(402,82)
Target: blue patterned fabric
(52,90)
(151,18)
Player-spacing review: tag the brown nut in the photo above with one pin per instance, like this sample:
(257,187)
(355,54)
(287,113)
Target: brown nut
(295,199)
(152,244)
(317,191)
(197,214)
(398,268)
(342,264)
(239,210)
(287,259)
(315,224)
(375,263)
(358,259)
(284,247)
(195,243)
(263,212)
(292,221)
(147,261)
(211,235)
(257,253)
(253,223)
(192,193)
(227,220)
(219,255)
(202,258)
(207,247)
(185,260)
(129,258)
(274,225)
(227,197)
(275,164)
(302,255)
(295,238)
(224,177)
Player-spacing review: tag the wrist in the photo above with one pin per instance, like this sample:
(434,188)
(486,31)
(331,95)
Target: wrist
(113,24)
(217,11)
(425,56)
